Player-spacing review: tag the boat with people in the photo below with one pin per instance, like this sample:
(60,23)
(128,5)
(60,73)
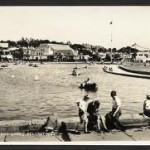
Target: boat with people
(88,85)
(35,65)
(75,73)
(5,65)
(85,67)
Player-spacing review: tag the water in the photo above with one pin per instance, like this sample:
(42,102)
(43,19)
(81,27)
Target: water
(56,90)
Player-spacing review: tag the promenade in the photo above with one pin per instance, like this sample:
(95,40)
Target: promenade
(142,134)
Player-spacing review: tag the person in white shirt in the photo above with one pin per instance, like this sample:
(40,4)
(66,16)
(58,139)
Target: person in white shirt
(146,106)
(116,111)
(116,107)
(82,105)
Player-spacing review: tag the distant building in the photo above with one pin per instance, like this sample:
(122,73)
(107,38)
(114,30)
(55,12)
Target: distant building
(82,57)
(143,56)
(4,45)
(7,54)
(53,52)
(27,52)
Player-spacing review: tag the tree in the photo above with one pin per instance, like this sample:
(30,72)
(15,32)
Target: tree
(108,57)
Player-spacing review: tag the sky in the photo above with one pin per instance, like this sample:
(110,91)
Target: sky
(78,24)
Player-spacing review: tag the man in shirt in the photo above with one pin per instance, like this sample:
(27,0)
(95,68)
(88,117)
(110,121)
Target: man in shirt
(146,106)
(82,105)
(116,111)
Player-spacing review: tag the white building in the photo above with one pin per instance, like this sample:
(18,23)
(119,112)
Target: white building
(47,51)
(143,56)
(83,57)
(4,45)
(27,52)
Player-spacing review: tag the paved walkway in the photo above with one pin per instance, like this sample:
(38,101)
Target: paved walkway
(142,134)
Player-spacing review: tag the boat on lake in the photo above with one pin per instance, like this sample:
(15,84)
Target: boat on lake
(89,86)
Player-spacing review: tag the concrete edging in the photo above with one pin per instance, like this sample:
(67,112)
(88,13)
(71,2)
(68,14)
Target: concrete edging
(134,71)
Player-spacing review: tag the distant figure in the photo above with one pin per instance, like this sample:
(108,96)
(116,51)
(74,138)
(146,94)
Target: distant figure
(104,68)
(110,69)
(88,81)
(146,106)
(116,111)
(74,72)
(82,105)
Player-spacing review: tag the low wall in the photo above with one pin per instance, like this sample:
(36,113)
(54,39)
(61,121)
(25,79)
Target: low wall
(34,126)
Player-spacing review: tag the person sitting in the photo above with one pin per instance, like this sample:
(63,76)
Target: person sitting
(146,106)
(94,115)
(82,105)
(114,115)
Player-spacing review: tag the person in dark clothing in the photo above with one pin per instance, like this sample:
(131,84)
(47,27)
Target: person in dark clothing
(94,115)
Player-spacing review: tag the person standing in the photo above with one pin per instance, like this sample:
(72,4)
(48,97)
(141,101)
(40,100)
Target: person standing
(82,105)
(146,106)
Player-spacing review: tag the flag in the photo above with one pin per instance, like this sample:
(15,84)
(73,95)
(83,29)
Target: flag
(111,22)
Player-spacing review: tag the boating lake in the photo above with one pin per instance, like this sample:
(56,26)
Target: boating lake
(56,91)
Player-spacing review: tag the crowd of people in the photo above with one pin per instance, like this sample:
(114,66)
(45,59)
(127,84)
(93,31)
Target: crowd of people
(89,113)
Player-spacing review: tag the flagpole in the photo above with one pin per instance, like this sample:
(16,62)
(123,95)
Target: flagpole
(111,38)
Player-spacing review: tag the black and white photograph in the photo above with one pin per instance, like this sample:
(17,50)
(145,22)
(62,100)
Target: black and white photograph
(74,74)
